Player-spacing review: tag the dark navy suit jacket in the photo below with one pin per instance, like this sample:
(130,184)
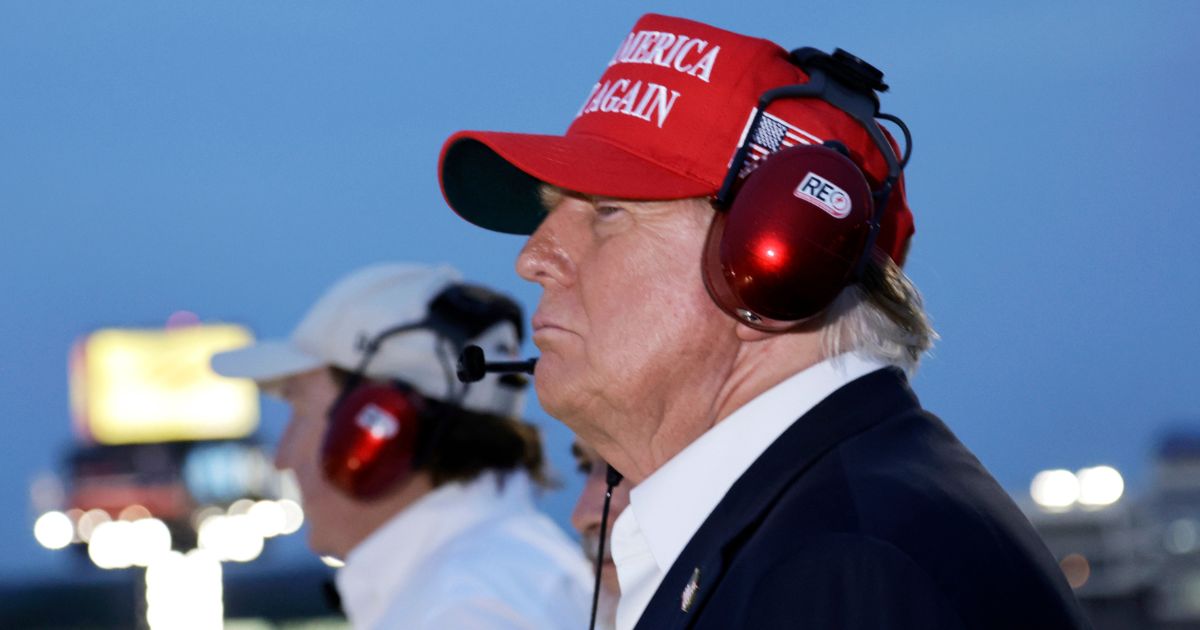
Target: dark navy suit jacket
(866,513)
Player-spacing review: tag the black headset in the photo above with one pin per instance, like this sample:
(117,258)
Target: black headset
(796,228)
(380,432)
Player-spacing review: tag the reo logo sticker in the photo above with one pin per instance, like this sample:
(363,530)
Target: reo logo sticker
(824,194)
(378,422)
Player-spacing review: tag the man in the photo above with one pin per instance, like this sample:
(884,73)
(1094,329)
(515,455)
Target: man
(786,474)
(424,486)
(587,517)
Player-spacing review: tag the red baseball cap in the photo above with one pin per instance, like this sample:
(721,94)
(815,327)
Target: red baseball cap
(663,122)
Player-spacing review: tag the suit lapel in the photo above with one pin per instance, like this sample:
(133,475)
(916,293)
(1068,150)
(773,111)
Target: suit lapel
(850,410)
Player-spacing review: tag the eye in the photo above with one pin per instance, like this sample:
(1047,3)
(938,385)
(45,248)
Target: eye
(608,210)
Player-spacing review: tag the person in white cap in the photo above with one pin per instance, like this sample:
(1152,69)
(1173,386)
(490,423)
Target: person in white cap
(423,485)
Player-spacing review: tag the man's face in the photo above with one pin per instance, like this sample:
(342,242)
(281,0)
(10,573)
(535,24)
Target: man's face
(310,395)
(625,326)
(589,508)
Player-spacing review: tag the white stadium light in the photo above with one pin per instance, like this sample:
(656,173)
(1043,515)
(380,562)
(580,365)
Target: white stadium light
(293,516)
(233,538)
(53,530)
(268,517)
(184,591)
(123,544)
(1055,489)
(241,506)
(152,539)
(1100,486)
(112,545)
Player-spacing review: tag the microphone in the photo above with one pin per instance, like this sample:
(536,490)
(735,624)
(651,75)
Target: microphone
(472,366)
(613,476)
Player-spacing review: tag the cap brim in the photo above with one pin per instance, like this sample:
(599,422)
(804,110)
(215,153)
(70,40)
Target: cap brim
(491,178)
(264,362)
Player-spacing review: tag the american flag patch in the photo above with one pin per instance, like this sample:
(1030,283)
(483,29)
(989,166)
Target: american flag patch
(771,134)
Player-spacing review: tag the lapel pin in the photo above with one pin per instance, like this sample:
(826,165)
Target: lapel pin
(689,592)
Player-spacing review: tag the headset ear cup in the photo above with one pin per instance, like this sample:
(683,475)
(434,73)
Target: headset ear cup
(371,439)
(790,240)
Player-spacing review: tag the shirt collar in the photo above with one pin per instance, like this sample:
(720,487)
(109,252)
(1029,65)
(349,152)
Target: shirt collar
(673,502)
(384,562)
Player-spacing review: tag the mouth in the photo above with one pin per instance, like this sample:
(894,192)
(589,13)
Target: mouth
(541,323)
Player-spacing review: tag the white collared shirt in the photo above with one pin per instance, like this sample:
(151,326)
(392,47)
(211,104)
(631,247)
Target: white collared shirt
(667,509)
(475,555)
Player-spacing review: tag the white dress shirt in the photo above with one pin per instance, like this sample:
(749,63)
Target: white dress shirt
(475,555)
(667,509)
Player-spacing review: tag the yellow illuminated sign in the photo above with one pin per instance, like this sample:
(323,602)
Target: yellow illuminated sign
(156,385)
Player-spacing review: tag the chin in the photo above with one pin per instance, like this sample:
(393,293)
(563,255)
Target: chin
(549,384)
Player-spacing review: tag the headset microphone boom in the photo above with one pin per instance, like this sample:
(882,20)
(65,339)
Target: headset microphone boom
(472,366)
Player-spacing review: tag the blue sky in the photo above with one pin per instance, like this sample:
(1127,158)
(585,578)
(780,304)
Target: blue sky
(233,159)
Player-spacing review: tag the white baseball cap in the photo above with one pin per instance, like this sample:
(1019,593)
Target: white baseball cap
(350,316)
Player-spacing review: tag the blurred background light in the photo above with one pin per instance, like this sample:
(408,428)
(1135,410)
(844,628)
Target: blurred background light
(111,545)
(133,513)
(268,518)
(239,507)
(1100,486)
(231,537)
(54,530)
(293,516)
(1055,489)
(150,538)
(1182,536)
(154,385)
(89,521)
(123,544)
(184,591)
(1077,569)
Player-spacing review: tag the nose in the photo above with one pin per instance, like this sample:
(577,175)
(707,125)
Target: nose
(586,515)
(545,257)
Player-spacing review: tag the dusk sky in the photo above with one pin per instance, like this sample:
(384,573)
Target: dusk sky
(233,159)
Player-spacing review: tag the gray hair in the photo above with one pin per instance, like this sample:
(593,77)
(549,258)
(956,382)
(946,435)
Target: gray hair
(882,317)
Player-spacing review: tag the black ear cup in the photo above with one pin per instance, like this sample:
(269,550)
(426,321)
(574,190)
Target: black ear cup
(791,238)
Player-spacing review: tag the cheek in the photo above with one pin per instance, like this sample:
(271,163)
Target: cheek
(653,303)
(304,455)
(310,441)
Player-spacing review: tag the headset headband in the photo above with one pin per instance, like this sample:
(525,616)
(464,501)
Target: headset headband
(459,313)
(849,84)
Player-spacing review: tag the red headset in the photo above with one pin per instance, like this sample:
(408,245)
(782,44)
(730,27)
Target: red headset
(379,433)
(793,231)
